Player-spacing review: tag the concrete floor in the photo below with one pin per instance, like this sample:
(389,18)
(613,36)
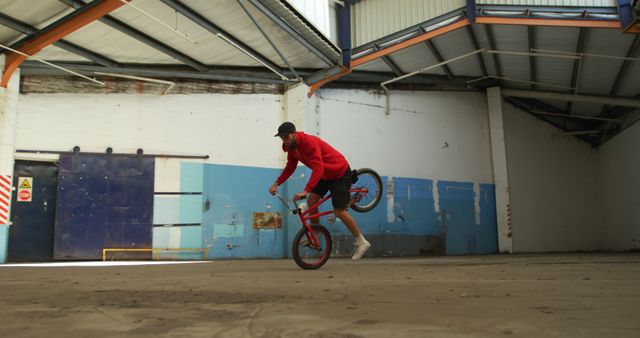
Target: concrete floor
(573,295)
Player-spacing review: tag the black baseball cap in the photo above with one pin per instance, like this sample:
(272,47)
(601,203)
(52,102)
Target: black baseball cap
(285,129)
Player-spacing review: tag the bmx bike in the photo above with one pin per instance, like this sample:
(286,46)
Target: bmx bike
(312,244)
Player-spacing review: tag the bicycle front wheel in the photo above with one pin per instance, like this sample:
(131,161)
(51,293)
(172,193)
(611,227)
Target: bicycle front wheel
(308,256)
(369,180)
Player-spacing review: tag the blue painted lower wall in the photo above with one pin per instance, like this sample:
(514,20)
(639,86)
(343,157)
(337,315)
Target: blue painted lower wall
(418,217)
(4,242)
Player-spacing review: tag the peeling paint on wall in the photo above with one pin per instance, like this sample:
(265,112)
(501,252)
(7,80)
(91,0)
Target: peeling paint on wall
(390,201)
(267,220)
(41,84)
(476,201)
(436,196)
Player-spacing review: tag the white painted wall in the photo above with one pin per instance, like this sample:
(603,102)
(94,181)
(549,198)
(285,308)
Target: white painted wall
(430,135)
(435,135)
(231,129)
(553,181)
(619,165)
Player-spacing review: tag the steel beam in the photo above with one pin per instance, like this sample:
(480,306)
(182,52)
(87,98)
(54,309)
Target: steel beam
(625,65)
(614,112)
(29,30)
(54,32)
(436,54)
(203,22)
(392,65)
(611,100)
(492,45)
(428,79)
(161,71)
(622,72)
(577,63)
(526,106)
(531,34)
(142,37)
(292,32)
(273,45)
(471,11)
(474,41)
(344,32)
(247,74)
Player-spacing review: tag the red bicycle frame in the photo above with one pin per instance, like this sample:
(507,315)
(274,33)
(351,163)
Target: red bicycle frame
(304,215)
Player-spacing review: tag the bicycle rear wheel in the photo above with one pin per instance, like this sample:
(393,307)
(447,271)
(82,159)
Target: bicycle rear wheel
(370,180)
(305,254)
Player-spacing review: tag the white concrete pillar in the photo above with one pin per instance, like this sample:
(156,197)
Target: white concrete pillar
(8,118)
(301,109)
(500,170)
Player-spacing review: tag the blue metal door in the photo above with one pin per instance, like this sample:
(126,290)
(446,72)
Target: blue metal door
(104,201)
(31,235)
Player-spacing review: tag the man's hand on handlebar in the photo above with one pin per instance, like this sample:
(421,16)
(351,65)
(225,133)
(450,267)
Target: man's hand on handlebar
(273,189)
(300,196)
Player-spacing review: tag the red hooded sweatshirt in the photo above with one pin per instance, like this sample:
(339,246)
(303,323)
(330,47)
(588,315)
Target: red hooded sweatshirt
(325,162)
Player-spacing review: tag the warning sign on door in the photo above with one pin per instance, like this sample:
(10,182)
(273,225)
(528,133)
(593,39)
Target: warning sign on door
(25,189)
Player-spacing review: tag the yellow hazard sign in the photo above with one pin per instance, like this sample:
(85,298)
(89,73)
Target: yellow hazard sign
(25,184)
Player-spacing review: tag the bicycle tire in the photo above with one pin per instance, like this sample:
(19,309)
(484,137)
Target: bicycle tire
(369,179)
(310,258)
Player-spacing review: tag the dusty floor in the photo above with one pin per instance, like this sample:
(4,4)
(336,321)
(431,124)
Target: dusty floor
(578,295)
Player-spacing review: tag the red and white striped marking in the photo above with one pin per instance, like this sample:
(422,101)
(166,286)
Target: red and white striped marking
(5,198)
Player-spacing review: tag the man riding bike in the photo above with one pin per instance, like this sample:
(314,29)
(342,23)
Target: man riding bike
(330,172)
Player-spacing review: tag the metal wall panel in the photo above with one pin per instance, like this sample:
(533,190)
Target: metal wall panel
(373,19)
(317,12)
(559,3)
(103,202)
(31,235)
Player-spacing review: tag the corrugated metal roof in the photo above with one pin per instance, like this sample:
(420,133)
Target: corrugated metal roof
(415,58)
(53,53)
(599,74)
(373,19)
(555,71)
(34,14)
(480,33)
(513,39)
(455,44)
(629,84)
(207,49)
(552,73)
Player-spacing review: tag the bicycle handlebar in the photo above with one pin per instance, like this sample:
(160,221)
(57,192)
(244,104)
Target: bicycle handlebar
(295,203)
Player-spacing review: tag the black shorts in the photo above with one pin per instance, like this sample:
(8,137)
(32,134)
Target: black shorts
(339,188)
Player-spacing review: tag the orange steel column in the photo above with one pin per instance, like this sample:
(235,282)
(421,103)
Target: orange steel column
(31,47)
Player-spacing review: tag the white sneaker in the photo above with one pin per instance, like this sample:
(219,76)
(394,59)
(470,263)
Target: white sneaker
(361,249)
